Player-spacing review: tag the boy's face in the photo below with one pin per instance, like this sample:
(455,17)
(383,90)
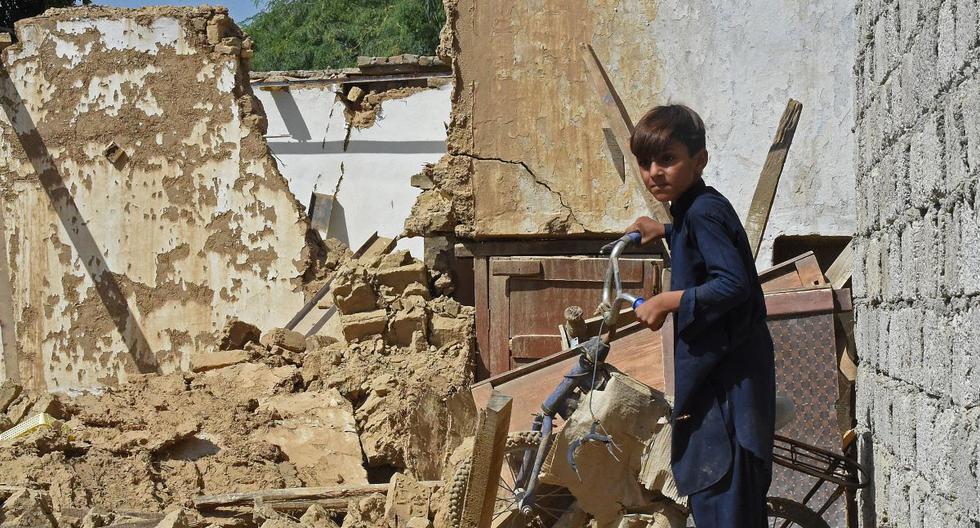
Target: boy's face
(673,172)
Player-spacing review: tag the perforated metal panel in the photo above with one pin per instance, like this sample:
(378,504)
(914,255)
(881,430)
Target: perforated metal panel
(806,370)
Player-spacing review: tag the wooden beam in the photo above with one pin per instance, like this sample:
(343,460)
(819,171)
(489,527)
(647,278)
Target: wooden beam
(487,460)
(621,127)
(317,495)
(840,270)
(765,190)
(540,248)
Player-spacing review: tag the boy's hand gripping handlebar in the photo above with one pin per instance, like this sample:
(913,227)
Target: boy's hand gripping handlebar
(613,296)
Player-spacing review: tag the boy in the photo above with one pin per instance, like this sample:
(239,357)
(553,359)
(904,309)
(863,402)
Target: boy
(724,372)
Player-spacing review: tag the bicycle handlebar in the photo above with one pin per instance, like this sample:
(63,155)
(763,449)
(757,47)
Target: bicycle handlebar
(612,289)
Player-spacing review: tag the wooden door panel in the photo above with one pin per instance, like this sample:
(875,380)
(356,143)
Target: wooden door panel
(526,297)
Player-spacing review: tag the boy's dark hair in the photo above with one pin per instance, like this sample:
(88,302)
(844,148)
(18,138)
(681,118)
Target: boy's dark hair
(663,124)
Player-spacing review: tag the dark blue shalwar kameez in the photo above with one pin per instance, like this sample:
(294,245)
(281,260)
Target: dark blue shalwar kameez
(724,372)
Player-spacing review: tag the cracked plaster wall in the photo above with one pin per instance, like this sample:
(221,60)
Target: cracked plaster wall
(130,266)
(368,169)
(528,126)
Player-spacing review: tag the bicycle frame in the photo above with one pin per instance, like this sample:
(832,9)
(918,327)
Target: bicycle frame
(587,373)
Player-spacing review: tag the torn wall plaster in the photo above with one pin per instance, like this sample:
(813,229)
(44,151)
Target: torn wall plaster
(128,265)
(367,167)
(522,97)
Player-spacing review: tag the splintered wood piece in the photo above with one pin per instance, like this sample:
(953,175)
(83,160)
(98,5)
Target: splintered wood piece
(765,190)
(840,270)
(487,460)
(621,127)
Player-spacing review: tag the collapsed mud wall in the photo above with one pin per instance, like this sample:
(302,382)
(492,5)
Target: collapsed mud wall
(142,208)
(365,165)
(528,155)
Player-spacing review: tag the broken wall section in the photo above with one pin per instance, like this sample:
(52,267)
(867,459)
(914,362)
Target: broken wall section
(528,153)
(355,138)
(142,209)
(917,252)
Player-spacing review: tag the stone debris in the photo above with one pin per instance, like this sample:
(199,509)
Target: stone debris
(264,410)
(236,334)
(27,508)
(630,412)
(288,339)
(221,358)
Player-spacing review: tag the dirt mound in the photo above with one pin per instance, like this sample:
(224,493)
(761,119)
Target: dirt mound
(281,410)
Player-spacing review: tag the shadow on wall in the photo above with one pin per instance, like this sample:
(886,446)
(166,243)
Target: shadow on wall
(291,115)
(81,238)
(866,503)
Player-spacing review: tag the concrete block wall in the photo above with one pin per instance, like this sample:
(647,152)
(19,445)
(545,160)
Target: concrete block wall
(917,262)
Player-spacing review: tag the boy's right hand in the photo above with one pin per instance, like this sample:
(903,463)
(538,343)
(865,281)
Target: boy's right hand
(649,229)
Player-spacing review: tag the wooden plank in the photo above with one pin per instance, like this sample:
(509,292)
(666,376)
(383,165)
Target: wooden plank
(765,190)
(499,312)
(586,269)
(535,346)
(374,248)
(796,273)
(516,267)
(636,351)
(621,125)
(487,459)
(344,493)
(481,279)
(542,248)
(800,302)
(810,272)
(840,270)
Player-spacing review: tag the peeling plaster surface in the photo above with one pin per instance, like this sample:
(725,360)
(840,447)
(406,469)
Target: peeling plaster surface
(368,170)
(523,99)
(131,266)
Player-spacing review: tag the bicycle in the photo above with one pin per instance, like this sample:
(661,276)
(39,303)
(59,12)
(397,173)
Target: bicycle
(530,503)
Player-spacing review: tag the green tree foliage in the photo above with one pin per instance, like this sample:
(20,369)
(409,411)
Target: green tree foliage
(320,34)
(14,10)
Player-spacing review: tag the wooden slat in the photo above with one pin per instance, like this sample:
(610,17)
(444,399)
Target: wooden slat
(789,275)
(591,270)
(800,302)
(481,279)
(621,125)
(542,248)
(810,272)
(765,191)
(486,462)
(840,270)
(515,267)
(534,346)
(636,351)
(499,314)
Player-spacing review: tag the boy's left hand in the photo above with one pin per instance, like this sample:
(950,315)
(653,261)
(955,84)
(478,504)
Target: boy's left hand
(654,311)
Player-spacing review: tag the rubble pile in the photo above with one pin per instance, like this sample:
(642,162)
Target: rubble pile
(383,401)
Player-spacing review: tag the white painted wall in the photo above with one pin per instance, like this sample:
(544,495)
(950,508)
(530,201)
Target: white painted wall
(371,179)
(737,63)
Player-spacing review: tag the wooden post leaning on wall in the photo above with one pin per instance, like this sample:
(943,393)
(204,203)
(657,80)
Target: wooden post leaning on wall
(765,190)
(488,458)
